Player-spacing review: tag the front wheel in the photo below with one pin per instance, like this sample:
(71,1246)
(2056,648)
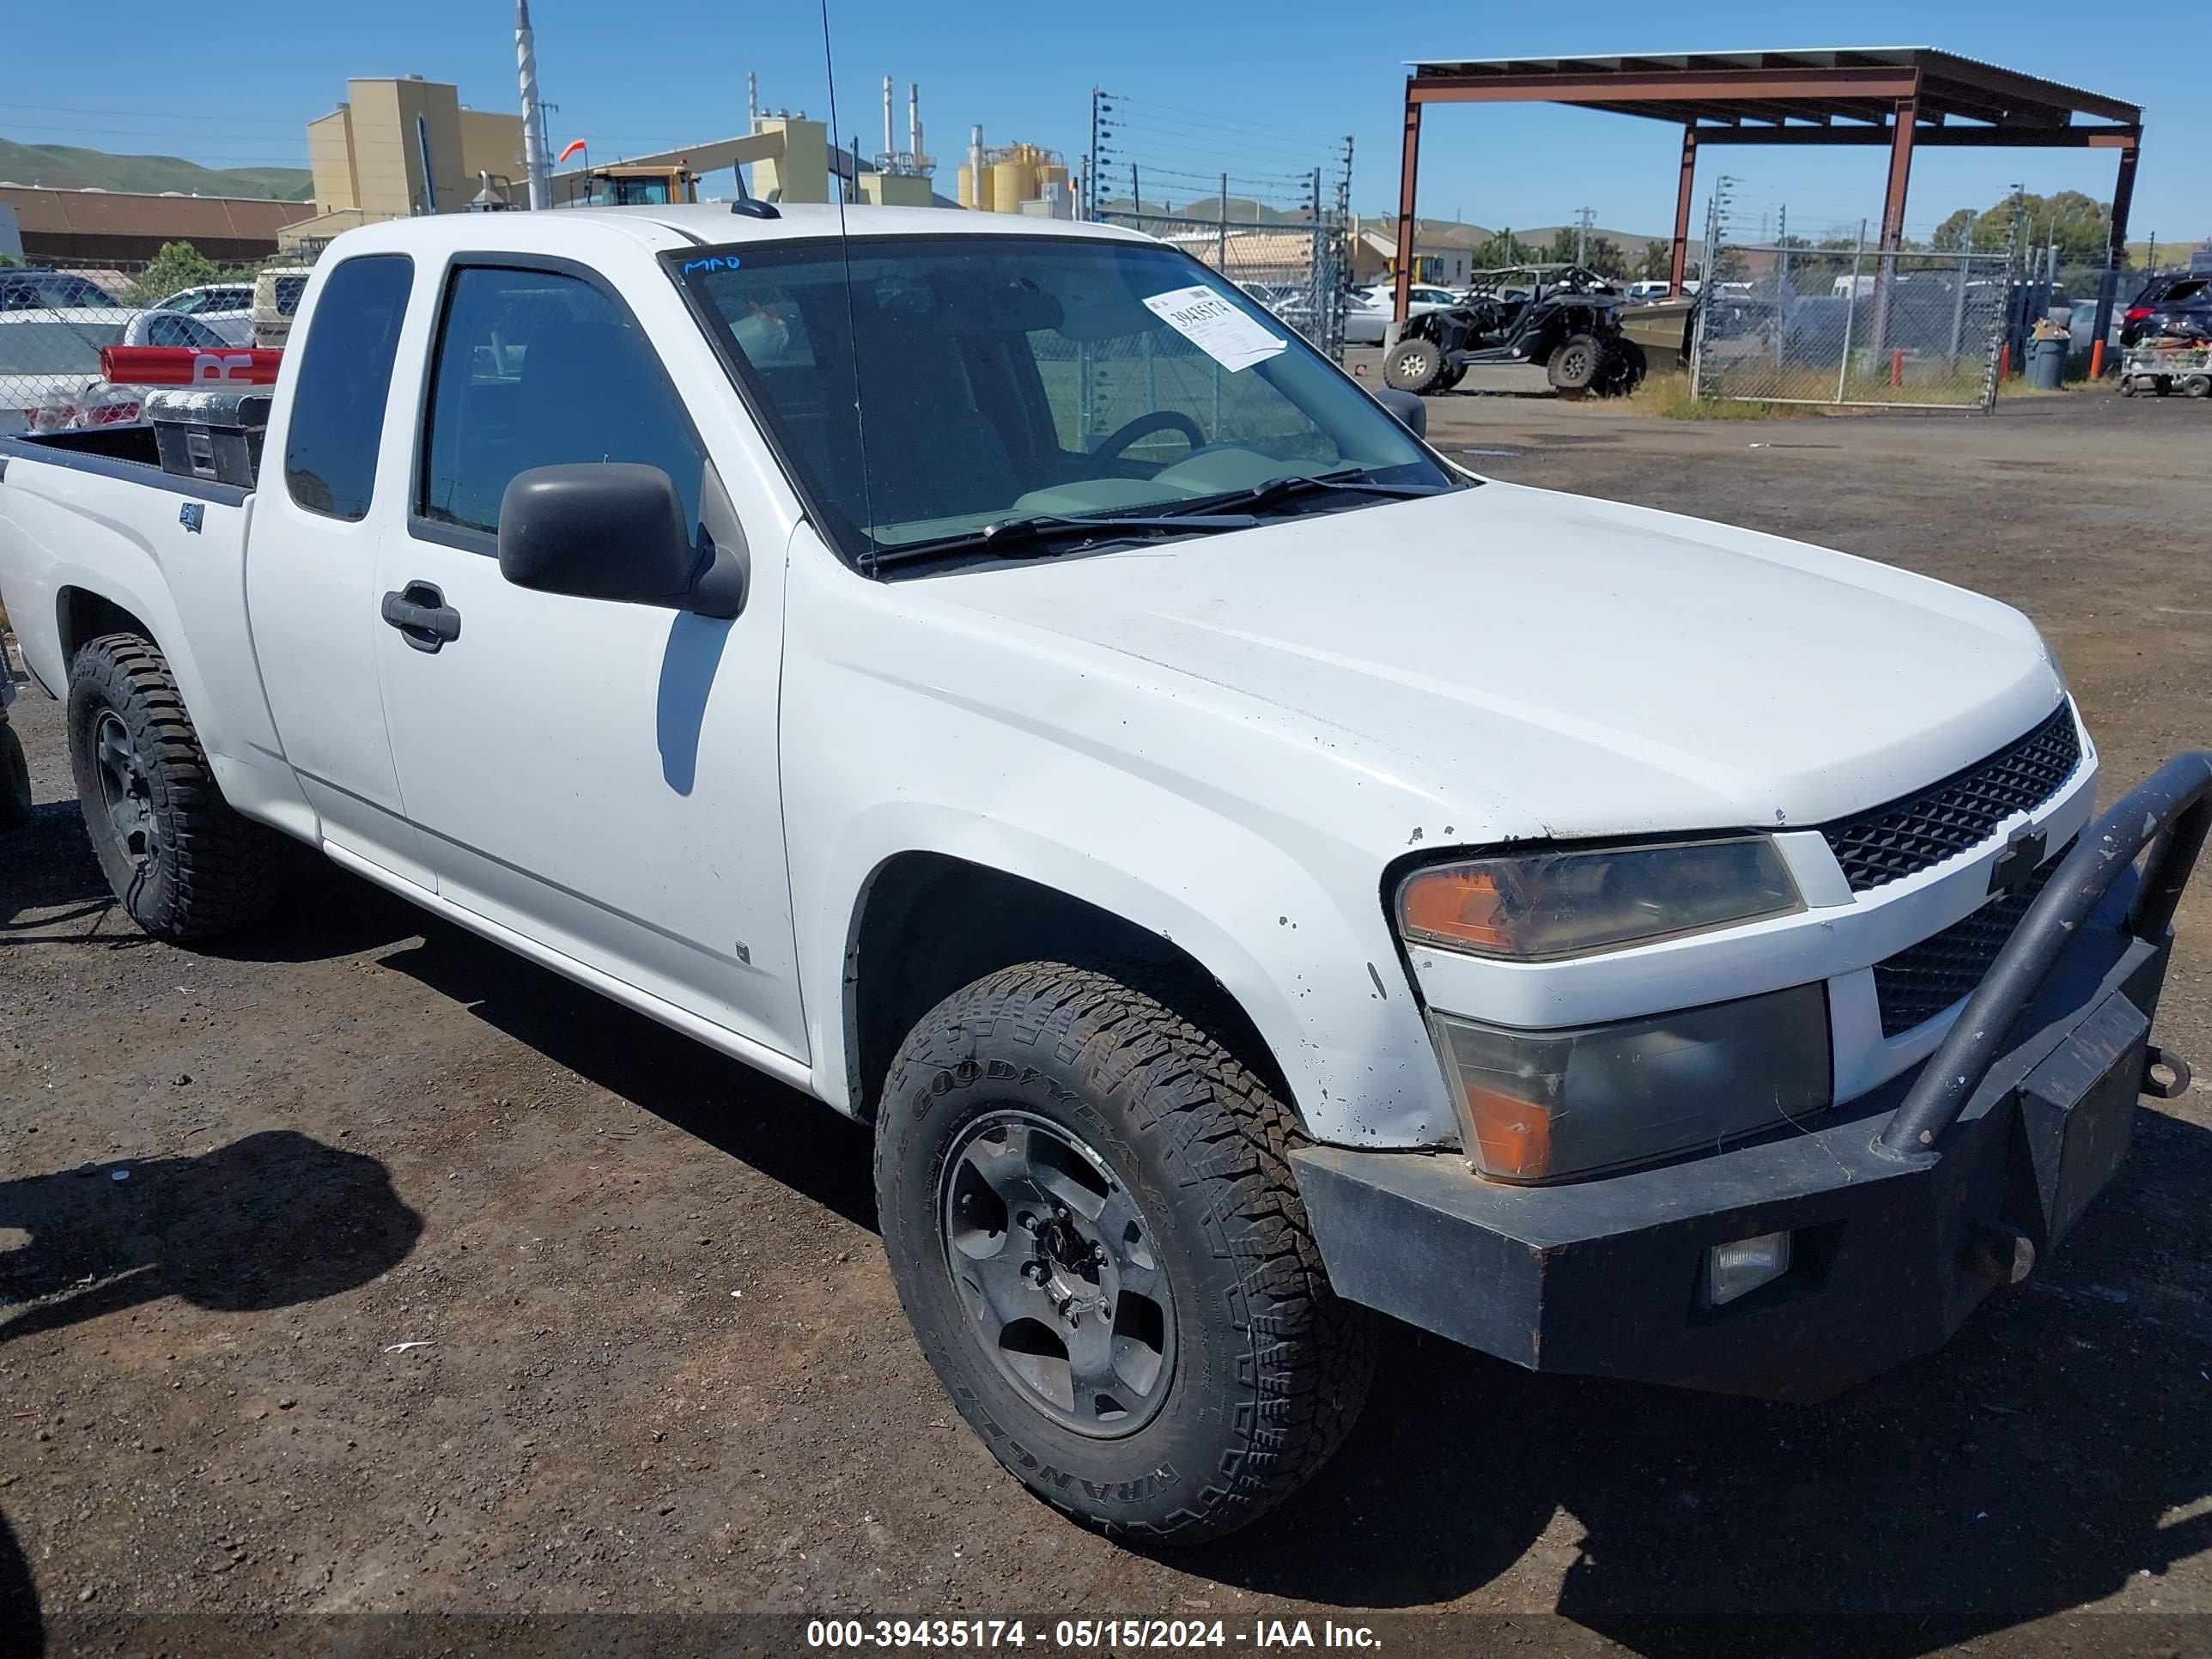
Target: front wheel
(1091,1221)
(1573,368)
(1414,365)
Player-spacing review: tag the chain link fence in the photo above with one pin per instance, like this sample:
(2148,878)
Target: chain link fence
(1297,271)
(1269,207)
(1785,324)
(56,318)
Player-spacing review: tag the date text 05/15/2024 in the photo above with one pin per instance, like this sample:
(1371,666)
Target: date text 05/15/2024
(1084,1635)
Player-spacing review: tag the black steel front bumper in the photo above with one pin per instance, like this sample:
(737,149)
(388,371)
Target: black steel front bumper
(1924,1196)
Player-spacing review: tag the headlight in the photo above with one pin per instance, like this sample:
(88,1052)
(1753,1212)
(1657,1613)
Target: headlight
(1533,905)
(1543,1105)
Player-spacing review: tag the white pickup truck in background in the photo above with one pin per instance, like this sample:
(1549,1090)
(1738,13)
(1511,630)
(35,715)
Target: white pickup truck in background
(992,676)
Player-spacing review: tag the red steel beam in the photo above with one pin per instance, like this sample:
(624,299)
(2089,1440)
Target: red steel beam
(1946,137)
(1408,170)
(1900,173)
(1663,86)
(1678,264)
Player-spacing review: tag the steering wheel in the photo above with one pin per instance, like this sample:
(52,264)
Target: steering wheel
(1159,420)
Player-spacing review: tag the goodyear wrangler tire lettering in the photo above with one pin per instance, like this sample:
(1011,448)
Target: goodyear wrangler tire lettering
(1067,1124)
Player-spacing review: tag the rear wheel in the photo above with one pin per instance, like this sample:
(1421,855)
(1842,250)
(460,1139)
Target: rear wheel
(1413,364)
(1574,365)
(180,860)
(1624,370)
(2197,386)
(1092,1224)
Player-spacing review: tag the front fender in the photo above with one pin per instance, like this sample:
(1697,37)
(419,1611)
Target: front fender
(899,739)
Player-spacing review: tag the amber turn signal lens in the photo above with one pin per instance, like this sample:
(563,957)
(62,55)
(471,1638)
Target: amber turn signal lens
(1513,1138)
(1459,902)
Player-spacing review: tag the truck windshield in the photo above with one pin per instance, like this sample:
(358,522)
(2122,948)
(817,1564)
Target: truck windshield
(924,387)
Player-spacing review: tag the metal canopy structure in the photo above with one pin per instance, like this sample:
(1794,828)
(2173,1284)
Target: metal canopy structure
(1899,96)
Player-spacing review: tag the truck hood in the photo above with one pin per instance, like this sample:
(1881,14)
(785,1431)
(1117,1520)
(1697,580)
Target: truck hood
(1520,662)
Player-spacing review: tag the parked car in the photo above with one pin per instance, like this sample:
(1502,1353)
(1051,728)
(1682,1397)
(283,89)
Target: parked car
(50,374)
(2176,306)
(1648,291)
(1246,871)
(225,307)
(276,291)
(1368,315)
(34,289)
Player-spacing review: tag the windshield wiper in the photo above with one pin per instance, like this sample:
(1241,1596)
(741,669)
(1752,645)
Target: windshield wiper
(1011,537)
(1299,483)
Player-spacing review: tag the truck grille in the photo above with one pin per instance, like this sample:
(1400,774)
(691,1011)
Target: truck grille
(1922,980)
(1915,831)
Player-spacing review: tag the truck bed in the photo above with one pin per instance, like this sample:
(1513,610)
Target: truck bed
(95,537)
(120,452)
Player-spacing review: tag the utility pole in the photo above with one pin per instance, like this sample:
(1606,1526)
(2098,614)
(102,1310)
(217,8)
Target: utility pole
(540,171)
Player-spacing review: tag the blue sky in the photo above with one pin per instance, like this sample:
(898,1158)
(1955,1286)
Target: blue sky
(640,78)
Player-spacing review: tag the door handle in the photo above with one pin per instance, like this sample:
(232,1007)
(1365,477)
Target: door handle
(423,618)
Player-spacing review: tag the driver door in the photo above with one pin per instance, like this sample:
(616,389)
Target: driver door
(598,777)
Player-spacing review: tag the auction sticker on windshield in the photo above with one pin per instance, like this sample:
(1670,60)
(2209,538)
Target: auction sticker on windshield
(1215,327)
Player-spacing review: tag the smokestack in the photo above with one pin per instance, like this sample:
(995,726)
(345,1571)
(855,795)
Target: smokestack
(533,112)
(913,117)
(975,166)
(752,100)
(891,142)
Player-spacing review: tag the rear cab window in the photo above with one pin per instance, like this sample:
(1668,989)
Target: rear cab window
(345,376)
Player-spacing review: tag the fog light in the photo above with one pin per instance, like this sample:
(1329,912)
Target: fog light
(1737,1269)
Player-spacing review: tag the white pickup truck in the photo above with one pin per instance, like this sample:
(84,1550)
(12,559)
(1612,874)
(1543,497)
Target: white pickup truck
(990,675)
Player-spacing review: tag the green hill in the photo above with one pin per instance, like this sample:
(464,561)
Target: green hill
(67,167)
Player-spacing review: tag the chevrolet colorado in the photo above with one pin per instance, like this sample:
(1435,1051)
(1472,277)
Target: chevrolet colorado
(990,675)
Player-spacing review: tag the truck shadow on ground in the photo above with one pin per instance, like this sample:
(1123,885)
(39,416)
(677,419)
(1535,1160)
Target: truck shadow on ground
(47,866)
(787,1136)
(2060,1447)
(268,1221)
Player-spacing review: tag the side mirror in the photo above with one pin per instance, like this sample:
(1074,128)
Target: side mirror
(1412,414)
(606,530)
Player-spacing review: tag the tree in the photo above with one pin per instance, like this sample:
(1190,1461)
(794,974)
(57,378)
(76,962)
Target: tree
(1605,257)
(1657,264)
(2079,223)
(179,264)
(1503,248)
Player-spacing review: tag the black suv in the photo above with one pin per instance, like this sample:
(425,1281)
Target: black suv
(2179,306)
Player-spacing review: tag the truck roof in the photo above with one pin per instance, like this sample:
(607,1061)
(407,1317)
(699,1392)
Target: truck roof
(706,224)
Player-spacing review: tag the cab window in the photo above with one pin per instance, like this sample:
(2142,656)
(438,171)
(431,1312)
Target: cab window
(345,375)
(538,368)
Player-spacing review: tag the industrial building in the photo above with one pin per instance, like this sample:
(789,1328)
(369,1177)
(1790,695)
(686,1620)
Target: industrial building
(96,228)
(402,146)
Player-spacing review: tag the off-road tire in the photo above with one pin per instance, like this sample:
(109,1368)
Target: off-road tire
(1413,364)
(1576,365)
(1624,370)
(209,870)
(1270,1366)
(15,775)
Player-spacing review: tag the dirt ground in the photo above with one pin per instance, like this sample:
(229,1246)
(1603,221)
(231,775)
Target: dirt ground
(437,1286)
